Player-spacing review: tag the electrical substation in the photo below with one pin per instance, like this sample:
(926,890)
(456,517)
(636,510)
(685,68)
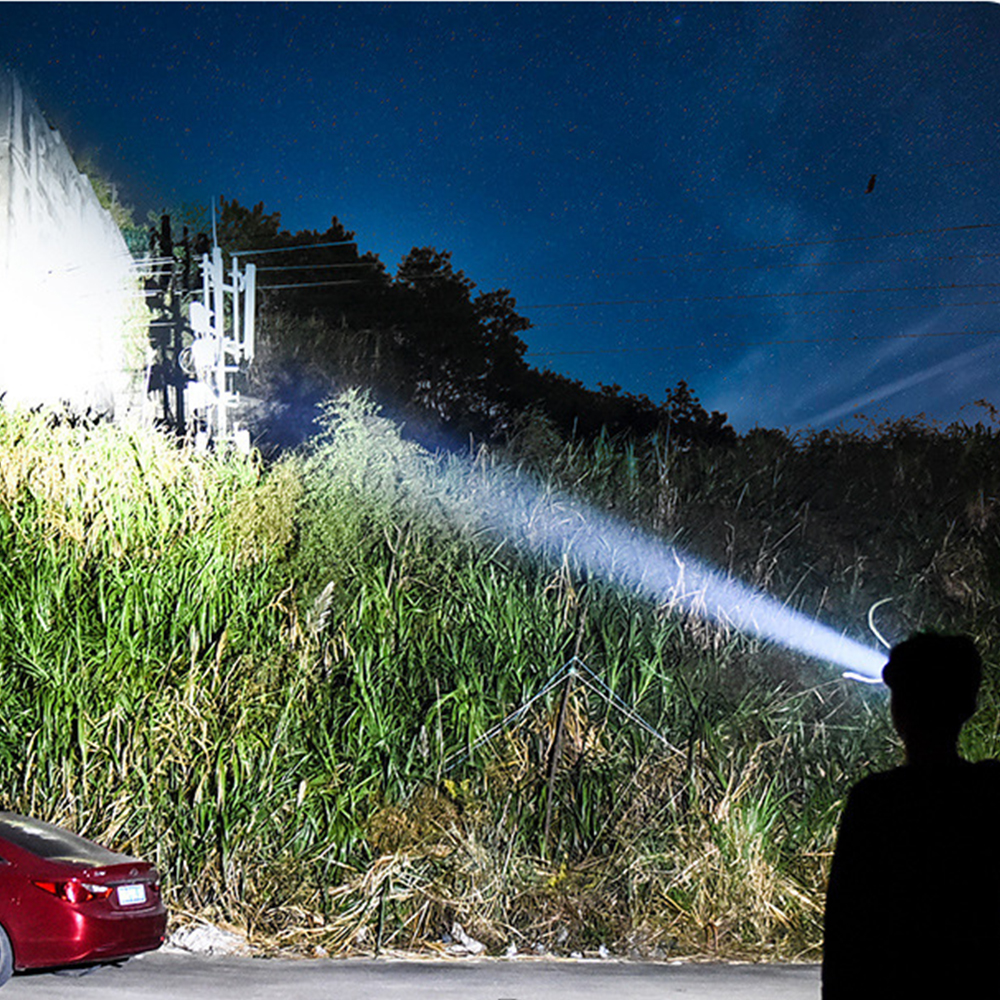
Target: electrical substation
(202,334)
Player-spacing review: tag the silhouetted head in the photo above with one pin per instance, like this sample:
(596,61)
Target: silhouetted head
(934,680)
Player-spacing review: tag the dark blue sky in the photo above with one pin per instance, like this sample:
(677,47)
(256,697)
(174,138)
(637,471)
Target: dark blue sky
(669,191)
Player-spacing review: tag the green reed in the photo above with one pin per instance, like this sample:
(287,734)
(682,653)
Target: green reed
(272,681)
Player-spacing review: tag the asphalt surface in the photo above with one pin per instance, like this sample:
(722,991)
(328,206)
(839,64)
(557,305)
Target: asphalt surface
(183,976)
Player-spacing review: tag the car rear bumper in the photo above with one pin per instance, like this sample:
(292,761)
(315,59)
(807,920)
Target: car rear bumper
(92,937)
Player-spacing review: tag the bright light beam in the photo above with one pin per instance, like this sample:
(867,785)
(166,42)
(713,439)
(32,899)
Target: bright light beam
(623,554)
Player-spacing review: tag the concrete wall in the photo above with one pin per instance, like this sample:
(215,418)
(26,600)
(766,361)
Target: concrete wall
(66,285)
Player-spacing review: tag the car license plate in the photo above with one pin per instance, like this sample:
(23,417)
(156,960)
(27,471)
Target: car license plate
(130,895)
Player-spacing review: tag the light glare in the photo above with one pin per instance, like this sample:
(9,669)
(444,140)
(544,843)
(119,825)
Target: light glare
(621,553)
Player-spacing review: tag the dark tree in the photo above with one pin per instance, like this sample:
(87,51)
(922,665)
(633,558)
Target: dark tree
(443,348)
(691,424)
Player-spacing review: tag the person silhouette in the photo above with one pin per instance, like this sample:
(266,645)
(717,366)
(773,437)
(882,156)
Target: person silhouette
(913,902)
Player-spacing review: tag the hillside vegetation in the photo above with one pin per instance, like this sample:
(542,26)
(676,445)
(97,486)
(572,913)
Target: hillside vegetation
(274,681)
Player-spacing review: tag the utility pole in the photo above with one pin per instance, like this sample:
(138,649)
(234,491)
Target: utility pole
(164,296)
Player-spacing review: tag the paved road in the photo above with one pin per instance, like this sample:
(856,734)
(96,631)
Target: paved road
(183,976)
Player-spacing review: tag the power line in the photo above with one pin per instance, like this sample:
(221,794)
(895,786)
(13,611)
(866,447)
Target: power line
(911,259)
(853,310)
(762,343)
(755,295)
(312,267)
(313,284)
(304,246)
(773,266)
(695,299)
(792,244)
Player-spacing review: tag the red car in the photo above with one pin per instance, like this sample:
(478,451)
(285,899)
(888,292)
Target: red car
(65,900)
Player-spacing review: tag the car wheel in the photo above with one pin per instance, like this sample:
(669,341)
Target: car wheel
(6,957)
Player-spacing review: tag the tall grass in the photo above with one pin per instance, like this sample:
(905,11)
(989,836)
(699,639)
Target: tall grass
(275,682)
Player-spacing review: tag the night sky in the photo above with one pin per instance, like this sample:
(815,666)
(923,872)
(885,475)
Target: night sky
(669,191)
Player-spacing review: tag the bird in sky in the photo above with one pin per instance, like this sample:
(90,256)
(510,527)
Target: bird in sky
(871,184)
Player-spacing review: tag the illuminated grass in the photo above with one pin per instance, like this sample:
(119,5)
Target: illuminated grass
(271,681)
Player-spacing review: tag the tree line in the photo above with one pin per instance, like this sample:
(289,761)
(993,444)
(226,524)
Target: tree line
(445,359)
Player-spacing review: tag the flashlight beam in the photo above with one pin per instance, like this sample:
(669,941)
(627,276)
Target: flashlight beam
(623,554)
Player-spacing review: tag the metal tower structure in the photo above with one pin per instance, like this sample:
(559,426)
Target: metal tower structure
(223,325)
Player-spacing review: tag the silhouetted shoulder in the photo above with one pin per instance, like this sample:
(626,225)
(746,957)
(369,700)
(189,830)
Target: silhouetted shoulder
(937,795)
(960,770)
(915,843)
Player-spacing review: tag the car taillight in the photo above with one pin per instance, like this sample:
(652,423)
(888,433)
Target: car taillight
(75,891)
